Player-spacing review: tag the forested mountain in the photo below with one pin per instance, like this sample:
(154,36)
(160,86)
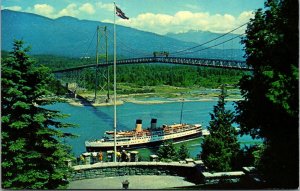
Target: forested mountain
(68,36)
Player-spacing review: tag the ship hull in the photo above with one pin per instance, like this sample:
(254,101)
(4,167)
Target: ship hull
(142,145)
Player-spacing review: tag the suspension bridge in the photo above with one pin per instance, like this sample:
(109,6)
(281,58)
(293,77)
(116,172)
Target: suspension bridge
(215,63)
(183,56)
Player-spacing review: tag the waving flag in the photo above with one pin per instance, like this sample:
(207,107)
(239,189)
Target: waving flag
(120,13)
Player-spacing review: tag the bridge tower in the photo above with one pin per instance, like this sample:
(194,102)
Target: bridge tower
(101,56)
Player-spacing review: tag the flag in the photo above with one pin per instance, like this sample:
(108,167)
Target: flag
(120,13)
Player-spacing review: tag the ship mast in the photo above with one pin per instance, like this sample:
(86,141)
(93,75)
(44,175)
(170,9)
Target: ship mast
(181,111)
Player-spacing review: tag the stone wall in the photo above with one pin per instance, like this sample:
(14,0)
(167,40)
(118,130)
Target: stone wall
(193,171)
(111,169)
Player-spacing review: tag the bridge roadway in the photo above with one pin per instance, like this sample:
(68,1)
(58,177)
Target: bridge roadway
(216,63)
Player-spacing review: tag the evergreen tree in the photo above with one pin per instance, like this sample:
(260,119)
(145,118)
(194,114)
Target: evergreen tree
(220,148)
(167,152)
(32,156)
(183,152)
(271,106)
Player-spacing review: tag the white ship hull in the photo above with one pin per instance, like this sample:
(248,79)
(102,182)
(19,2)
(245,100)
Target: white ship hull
(142,141)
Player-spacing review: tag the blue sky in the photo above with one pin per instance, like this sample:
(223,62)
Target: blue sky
(159,16)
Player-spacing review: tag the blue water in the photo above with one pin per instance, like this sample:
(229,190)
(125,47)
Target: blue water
(94,121)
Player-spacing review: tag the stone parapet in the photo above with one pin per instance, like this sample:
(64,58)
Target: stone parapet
(130,164)
(110,169)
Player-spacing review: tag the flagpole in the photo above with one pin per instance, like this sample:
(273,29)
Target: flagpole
(115,96)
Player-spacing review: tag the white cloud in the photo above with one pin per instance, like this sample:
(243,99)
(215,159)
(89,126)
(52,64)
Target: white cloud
(184,21)
(244,16)
(13,8)
(106,6)
(43,9)
(87,8)
(70,10)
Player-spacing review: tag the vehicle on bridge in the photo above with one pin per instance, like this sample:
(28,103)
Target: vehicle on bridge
(160,54)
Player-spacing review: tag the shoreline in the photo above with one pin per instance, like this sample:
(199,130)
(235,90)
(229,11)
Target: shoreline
(165,95)
(144,101)
(80,104)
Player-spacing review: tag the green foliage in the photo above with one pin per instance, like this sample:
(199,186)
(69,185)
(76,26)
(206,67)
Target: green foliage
(33,156)
(57,88)
(183,152)
(248,156)
(271,106)
(257,154)
(167,152)
(220,148)
(134,91)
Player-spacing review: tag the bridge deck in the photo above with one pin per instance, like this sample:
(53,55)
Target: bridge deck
(216,63)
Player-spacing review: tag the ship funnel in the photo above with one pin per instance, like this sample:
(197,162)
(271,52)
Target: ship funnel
(153,123)
(138,127)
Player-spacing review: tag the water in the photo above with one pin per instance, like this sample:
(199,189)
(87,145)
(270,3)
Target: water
(94,121)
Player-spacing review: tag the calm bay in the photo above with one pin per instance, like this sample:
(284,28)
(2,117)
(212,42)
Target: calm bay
(94,121)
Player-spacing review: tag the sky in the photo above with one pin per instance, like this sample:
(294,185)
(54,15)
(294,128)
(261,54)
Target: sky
(158,16)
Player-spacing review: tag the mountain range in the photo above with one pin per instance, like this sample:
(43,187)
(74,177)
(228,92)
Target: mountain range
(69,36)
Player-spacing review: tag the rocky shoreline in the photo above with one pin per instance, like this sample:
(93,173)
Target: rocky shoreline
(143,99)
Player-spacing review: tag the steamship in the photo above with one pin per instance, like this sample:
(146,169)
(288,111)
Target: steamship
(152,136)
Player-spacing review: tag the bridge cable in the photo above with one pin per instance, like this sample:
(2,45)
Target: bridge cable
(212,45)
(91,41)
(126,47)
(209,40)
